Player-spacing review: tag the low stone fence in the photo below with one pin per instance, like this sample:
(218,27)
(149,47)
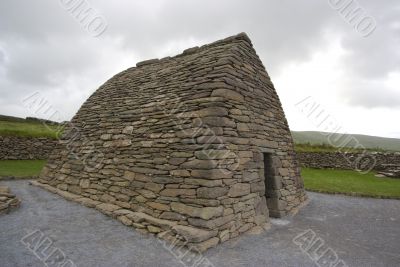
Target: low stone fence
(347,161)
(12,147)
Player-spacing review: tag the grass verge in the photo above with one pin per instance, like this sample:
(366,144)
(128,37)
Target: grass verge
(21,168)
(350,183)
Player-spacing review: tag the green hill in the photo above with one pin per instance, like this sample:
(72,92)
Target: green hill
(346,140)
(29,127)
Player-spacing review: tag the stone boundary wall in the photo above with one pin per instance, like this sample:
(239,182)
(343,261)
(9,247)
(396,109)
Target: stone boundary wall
(13,147)
(347,161)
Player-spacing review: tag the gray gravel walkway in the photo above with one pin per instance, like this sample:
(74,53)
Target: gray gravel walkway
(363,232)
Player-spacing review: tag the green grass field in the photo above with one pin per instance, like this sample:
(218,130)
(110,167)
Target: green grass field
(350,182)
(28,129)
(21,168)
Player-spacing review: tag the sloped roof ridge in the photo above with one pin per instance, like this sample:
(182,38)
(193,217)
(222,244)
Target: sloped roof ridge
(241,36)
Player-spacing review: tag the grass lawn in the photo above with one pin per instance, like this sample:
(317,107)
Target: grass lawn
(31,129)
(350,182)
(21,168)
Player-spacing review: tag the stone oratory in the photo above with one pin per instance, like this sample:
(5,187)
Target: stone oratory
(196,146)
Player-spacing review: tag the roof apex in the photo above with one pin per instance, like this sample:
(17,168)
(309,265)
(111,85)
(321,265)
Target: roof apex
(241,36)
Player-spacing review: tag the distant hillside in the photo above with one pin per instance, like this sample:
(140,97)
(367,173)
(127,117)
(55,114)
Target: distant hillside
(29,127)
(27,119)
(370,142)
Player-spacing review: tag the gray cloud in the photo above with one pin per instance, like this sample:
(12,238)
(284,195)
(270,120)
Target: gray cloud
(2,57)
(377,54)
(48,50)
(38,62)
(371,94)
(281,32)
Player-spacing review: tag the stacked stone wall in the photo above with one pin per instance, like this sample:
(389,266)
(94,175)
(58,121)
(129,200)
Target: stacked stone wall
(348,161)
(13,147)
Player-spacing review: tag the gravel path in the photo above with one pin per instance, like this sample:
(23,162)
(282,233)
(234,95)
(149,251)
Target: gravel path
(361,231)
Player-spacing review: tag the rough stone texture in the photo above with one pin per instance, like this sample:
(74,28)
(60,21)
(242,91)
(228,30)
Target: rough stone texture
(385,162)
(8,201)
(181,141)
(13,147)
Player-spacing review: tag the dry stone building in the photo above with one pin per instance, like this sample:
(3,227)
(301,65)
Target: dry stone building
(196,145)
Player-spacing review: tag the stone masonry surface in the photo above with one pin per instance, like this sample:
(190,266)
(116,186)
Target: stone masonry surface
(179,144)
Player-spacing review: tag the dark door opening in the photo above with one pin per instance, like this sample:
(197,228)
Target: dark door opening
(268,174)
(271,190)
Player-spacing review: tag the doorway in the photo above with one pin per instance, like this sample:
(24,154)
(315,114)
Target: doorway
(271,185)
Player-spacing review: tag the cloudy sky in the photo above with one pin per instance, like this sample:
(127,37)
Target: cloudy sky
(346,66)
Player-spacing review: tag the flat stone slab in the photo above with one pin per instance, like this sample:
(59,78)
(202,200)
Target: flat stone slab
(8,201)
(362,231)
